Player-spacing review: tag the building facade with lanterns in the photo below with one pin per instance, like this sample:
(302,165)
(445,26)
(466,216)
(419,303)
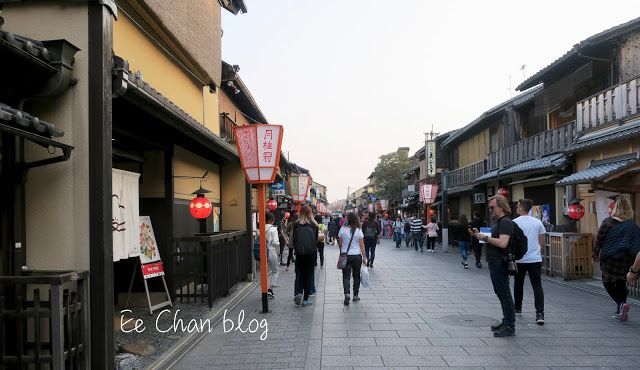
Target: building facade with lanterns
(142,126)
(569,141)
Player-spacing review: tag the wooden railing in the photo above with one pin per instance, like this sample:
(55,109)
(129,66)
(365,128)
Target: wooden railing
(226,127)
(207,267)
(465,175)
(544,143)
(613,104)
(44,317)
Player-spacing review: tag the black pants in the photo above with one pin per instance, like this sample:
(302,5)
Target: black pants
(354,263)
(304,264)
(431,242)
(617,290)
(535,272)
(320,246)
(500,281)
(282,246)
(477,249)
(290,258)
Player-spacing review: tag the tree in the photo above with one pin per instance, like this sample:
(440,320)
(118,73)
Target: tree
(389,174)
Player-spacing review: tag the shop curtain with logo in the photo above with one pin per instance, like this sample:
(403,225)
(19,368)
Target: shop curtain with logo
(126,214)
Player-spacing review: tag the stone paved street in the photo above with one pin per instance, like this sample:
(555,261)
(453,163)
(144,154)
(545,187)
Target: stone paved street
(423,310)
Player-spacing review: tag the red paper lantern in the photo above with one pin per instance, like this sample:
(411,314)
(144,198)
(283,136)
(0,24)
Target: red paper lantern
(575,211)
(200,207)
(431,213)
(504,192)
(272,205)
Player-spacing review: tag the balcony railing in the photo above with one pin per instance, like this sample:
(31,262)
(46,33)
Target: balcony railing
(44,315)
(465,175)
(226,127)
(613,104)
(207,267)
(544,143)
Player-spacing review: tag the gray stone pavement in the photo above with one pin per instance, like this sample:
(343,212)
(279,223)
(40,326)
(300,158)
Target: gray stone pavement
(422,310)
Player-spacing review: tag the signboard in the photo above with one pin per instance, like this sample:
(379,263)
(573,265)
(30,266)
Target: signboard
(148,246)
(153,269)
(411,188)
(431,159)
(428,193)
(277,188)
(383,204)
(479,198)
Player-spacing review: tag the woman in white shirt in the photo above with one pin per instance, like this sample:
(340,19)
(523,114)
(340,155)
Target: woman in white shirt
(273,245)
(350,240)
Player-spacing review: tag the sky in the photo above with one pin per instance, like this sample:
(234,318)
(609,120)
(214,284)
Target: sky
(351,80)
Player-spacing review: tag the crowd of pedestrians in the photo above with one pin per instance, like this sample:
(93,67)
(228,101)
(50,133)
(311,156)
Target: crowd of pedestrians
(301,239)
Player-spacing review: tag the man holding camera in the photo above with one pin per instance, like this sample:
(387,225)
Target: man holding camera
(498,261)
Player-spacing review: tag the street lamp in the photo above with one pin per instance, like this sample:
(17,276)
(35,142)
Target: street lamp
(259,149)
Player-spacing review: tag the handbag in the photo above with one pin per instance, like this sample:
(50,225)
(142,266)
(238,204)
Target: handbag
(342,260)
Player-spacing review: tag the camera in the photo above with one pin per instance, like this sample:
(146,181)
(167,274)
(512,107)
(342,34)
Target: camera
(512,267)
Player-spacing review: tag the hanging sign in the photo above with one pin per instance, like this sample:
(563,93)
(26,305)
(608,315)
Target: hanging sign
(277,188)
(431,159)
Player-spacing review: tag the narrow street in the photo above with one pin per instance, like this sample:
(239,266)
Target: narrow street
(422,310)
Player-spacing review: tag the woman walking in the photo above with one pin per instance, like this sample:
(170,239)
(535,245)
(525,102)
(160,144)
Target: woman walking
(320,244)
(462,236)
(432,234)
(304,239)
(292,220)
(476,223)
(350,240)
(616,246)
(333,231)
(371,231)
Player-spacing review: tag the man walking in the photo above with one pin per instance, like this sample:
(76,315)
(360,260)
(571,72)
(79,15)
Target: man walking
(497,251)
(416,233)
(531,262)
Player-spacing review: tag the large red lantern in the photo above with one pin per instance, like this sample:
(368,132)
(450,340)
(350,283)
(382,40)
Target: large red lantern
(200,207)
(272,205)
(504,192)
(575,211)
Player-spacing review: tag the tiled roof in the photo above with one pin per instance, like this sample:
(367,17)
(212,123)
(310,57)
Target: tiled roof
(24,121)
(606,136)
(551,162)
(487,176)
(459,189)
(34,48)
(515,101)
(600,169)
(573,54)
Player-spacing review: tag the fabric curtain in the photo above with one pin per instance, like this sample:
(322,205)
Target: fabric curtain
(126,213)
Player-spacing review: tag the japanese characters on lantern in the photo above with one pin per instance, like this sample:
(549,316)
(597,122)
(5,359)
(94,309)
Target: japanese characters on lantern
(259,149)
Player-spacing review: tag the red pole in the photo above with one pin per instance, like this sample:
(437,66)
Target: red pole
(263,248)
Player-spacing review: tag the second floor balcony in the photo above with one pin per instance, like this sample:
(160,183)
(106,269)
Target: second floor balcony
(536,146)
(465,175)
(226,127)
(613,104)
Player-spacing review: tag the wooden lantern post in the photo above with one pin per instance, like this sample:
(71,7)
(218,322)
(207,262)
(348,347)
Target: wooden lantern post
(259,148)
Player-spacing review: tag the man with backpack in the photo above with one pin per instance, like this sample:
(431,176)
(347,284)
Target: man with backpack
(531,262)
(498,260)
(371,229)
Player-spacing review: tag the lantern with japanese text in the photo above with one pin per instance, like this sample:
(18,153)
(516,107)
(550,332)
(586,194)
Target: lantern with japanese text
(575,211)
(504,192)
(272,205)
(259,149)
(299,184)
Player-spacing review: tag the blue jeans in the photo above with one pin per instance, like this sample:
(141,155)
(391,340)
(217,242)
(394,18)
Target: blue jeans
(407,238)
(500,281)
(417,239)
(370,249)
(398,236)
(464,250)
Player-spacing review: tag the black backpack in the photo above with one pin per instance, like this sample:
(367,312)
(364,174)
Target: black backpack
(370,231)
(304,238)
(518,244)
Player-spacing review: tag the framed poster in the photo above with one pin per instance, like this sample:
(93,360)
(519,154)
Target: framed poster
(479,198)
(148,246)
